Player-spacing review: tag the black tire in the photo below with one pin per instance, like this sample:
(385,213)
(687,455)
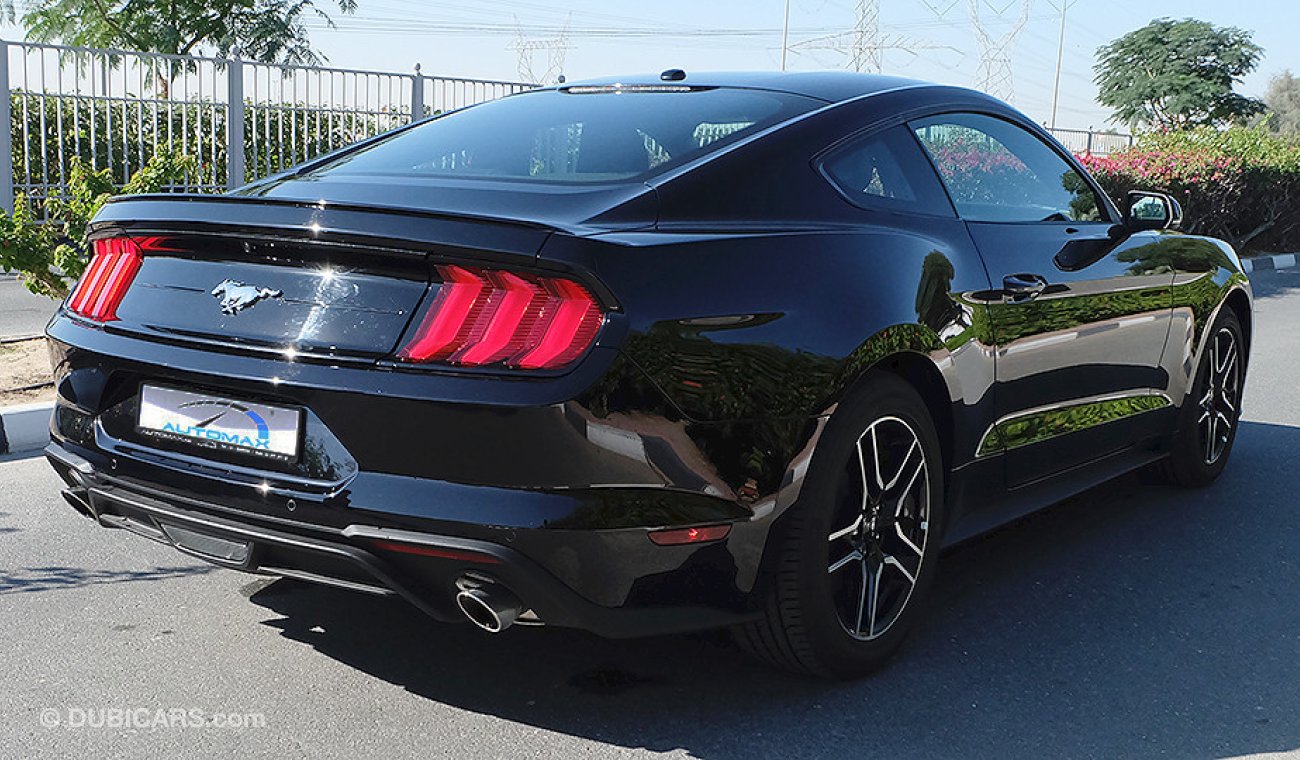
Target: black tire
(1196,460)
(803,628)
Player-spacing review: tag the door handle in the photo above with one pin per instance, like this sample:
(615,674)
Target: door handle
(1023,287)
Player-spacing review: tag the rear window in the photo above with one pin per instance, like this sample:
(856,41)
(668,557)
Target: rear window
(586,134)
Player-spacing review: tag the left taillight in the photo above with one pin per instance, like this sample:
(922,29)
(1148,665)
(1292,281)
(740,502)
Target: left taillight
(112,269)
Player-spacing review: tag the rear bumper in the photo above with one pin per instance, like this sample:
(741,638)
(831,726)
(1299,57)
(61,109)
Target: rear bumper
(351,557)
(558,481)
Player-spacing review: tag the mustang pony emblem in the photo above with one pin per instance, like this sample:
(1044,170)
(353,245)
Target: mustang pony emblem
(236,296)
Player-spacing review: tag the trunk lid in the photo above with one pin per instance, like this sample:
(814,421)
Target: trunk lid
(272,295)
(300,279)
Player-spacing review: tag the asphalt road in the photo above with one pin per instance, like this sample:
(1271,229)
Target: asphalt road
(1135,620)
(22,313)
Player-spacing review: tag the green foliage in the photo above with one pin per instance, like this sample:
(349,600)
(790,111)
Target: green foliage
(262,30)
(1240,184)
(50,130)
(1283,100)
(1177,75)
(50,256)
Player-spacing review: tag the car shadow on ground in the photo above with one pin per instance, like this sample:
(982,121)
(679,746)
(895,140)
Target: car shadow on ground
(1133,619)
(31,580)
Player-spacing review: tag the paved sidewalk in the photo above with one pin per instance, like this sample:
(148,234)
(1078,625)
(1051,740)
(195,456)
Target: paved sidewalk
(21,312)
(25,427)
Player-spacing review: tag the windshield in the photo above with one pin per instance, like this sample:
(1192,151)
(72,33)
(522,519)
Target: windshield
(586,134)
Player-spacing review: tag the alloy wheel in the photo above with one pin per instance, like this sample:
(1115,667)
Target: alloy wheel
(1219,404)
(884,513)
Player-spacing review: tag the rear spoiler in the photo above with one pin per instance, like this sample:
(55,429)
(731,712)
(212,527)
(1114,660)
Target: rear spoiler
(510,241)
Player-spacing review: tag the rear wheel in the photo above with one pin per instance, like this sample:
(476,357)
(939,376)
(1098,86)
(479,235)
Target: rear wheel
(862,542)
(1210,414)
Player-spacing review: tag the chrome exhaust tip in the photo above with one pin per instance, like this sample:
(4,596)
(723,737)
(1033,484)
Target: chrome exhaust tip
(490,607)
(77,494)
(79,500)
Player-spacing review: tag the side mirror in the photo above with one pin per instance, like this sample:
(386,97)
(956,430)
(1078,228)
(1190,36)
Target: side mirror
(1151,211)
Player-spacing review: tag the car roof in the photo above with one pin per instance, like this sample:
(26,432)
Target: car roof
(830,86)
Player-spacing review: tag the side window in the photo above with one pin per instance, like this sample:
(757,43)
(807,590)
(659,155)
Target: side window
(996,171)
(886,170)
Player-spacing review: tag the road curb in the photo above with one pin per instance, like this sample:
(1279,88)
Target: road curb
(25,427)
(1263,263)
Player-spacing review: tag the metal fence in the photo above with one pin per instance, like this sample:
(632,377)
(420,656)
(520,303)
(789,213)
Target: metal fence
(238,119)
(1084,141)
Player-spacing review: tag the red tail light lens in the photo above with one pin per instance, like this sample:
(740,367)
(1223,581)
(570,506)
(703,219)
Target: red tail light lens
(698,535)
(112,269)
(436,551)
(493,317)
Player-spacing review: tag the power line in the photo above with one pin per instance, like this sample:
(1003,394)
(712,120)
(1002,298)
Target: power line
(488,29)
(995,73)
(865,44)
(555,49)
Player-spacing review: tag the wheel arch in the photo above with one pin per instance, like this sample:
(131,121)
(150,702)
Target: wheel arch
(1239,302)
(924,377)
(910,352)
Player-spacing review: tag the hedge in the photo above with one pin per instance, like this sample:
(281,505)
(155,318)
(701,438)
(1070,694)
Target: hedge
(1239,184)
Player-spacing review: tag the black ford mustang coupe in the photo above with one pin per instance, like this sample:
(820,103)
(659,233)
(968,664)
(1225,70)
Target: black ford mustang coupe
(646,355)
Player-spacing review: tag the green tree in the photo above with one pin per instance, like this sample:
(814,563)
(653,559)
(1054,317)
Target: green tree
(1283,100)
(273,31)
(1177,75)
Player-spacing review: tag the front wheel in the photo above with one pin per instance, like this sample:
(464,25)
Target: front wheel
(862,542)
(1209,417)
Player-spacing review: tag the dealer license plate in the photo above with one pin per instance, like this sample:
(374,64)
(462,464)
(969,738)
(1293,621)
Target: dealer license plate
(218,423)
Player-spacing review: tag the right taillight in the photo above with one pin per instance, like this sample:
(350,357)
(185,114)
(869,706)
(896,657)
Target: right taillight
(484,317)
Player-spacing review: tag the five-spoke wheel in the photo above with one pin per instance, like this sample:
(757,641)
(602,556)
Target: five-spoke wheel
(885,512)
(1218,403)
(1208,423)
(859,547)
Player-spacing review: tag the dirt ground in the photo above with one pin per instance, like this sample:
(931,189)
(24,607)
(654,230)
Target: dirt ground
(24,364)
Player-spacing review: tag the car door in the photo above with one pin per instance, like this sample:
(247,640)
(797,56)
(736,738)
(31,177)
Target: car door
(1079,319)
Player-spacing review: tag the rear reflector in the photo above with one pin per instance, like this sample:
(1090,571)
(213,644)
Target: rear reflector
(109,275)
(678,536)
(436,551)
(482,317)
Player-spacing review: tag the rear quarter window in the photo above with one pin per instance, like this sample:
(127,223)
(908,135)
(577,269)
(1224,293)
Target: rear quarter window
(887,170)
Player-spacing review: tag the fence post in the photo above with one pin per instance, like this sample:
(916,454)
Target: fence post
(1088,151)
(234,122)
(6,135)
(417,95)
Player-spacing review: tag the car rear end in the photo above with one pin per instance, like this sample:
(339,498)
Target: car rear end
(399,400)
(308,400)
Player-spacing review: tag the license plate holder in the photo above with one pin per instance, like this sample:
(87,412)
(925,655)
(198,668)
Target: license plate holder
(218,423)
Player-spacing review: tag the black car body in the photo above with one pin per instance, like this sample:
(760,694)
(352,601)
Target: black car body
(744,288)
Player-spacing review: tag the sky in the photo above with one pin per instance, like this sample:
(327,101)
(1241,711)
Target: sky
(928,39)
